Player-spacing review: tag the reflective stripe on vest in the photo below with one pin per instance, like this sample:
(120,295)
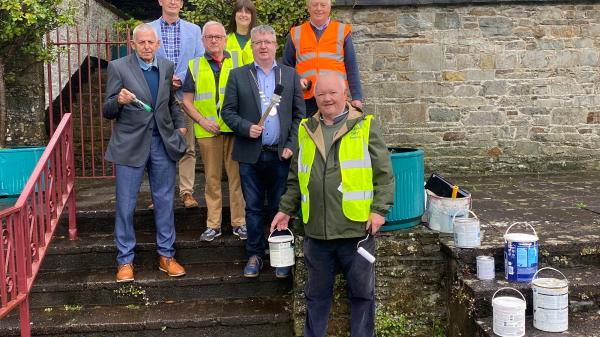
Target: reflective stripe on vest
(204,98)
(355,168)
(240,56)
(326,54)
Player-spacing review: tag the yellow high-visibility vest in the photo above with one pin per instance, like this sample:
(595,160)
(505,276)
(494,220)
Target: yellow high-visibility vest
(355,167)
(239,55)
(204,98)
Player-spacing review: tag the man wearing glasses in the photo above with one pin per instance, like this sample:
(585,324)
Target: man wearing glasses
(180,41)
(263,151)
(203,94)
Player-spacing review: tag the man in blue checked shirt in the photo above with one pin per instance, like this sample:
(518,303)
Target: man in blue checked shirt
(180,41)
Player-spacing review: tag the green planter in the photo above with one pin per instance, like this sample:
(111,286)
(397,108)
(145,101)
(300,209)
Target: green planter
(409,199)
(16,165)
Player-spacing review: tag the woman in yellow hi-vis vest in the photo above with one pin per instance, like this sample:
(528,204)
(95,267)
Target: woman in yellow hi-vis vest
(243,19)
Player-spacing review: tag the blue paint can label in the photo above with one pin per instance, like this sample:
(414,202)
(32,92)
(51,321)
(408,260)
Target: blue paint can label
(520,256)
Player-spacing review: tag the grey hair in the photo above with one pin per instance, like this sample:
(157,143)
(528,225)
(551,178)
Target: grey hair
(334,74)
(309,1)
(144,28)
(213,23)
(263,29)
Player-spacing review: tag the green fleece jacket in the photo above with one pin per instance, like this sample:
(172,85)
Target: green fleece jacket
(327,220)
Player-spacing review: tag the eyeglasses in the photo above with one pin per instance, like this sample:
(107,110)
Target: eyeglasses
(265,42)
(214,37)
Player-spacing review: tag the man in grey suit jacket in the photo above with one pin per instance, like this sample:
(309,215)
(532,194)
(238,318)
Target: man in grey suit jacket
(180,41)
(148,134)
(263,151)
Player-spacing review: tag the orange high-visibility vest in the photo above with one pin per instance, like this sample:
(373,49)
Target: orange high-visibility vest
(324,55)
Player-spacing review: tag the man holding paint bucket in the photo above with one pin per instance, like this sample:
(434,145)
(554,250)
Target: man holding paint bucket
(342,180)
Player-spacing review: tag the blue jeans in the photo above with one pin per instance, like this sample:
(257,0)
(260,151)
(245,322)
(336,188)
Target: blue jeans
(161,174)
(267,177)
(323,259)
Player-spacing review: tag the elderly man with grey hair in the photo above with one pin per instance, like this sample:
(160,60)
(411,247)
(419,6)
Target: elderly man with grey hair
(203,97)
(262,148)
(148,135)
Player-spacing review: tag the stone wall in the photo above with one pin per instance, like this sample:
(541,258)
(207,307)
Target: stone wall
(410,287)
(494,87)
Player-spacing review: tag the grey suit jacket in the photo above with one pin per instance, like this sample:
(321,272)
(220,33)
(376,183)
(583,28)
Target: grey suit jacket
(242,109)
(132,133)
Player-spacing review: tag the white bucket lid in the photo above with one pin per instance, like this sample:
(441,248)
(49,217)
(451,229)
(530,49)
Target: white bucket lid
(508,302)
(550,282)
(520,237)
(281,238)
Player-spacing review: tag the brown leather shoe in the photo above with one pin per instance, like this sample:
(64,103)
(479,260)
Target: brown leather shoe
(188,201)
(125,273)
(170,266)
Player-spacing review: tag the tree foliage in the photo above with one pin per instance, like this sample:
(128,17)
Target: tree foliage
(280,14)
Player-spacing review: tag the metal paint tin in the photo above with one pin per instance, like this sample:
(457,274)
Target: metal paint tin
(550,302)
(509,314)
(486,269)
(520,255)
(466,231)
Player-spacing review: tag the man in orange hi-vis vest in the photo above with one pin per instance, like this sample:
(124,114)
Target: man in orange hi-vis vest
(322,45)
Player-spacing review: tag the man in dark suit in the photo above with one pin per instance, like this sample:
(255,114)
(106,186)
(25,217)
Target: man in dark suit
(263,151)
(148,134)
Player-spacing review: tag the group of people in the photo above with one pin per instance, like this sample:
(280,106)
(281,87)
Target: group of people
(286,133)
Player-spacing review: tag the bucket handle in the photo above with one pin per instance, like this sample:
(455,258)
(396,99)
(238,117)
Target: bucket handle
(287,229)
(508,288)
(521,222)
(550,268)
(462,210)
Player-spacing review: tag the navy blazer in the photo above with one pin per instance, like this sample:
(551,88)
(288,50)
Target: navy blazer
(242,108)
(132,133)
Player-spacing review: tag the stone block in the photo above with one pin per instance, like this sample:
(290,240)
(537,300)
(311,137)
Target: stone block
(485,118)
(453,136)
(412,113)
(534,59)
(569,116)
(446,115)
(494,88)
(427,57)
(487,61)
(593,117)
(453,76)
(466,91)
(413,22)
(447,21)
(496,26)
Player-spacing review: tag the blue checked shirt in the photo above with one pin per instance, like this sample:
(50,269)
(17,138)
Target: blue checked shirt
(171,39)
(266,83)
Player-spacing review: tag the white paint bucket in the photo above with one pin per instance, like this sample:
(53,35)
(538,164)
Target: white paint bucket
(466,230)
(550,302)
(509,314)
(520,254)
(486,270)
(281,250)
(440,211)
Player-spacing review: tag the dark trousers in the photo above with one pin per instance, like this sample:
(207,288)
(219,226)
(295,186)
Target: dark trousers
(311,106)
(161,174)
(323,259)
(267,177)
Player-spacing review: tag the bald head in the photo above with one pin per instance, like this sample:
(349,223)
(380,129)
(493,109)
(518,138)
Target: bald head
(330,94)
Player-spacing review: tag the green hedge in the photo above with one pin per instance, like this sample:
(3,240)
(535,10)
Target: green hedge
(280,14)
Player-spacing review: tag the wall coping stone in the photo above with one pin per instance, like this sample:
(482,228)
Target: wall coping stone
(398,3)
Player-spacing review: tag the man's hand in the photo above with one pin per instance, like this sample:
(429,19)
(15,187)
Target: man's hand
(125,97)
(303,83)
(286,153)
(183,131)
(280,221)
(210,126)
(374,223)
(357,103)
(255,131)
(176,82)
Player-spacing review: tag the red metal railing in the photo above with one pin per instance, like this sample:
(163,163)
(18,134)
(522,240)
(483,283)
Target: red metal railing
(27,227)
(76,84)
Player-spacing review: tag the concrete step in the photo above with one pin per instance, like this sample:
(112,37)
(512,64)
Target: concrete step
(470,298)
(267,317)
(201,282)
(586,324)
(98,251)
(584,290)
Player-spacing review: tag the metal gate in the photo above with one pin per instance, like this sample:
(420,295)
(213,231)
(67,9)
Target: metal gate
(75,83)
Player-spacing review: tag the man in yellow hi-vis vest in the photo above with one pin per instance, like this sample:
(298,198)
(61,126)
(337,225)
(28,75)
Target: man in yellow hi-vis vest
(203,95)
(342,180)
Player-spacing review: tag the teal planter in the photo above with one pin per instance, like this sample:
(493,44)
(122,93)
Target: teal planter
(16,165)
(409,204)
